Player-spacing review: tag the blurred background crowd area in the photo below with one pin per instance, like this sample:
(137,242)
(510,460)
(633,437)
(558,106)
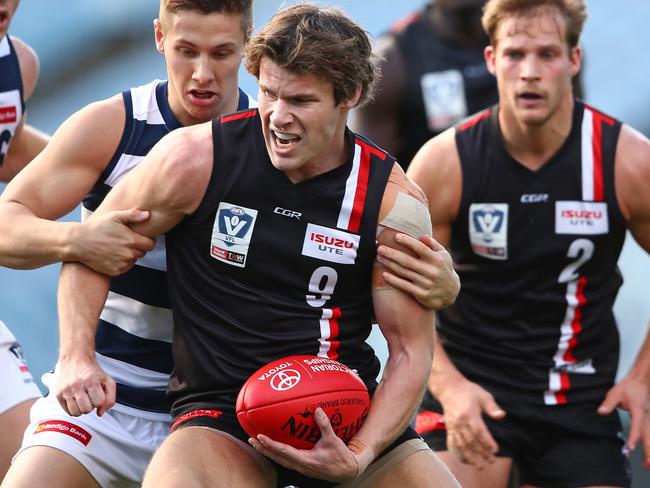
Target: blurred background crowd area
(91,49)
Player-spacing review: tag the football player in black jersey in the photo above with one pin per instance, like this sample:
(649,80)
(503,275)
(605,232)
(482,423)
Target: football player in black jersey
(534,196)
(249,284)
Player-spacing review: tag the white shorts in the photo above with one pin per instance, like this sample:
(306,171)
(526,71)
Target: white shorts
(115,448)
(16,382)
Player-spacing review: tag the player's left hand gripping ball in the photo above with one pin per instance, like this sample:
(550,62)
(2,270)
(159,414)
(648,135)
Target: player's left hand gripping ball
(279,400)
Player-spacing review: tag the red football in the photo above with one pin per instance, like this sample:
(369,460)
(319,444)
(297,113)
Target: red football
(279,400)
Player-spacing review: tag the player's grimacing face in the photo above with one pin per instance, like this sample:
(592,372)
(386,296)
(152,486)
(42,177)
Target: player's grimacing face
(7,11)
(203,53)
(533,65)
(303,128)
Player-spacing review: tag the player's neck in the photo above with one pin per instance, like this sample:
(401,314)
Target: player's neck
(532,145)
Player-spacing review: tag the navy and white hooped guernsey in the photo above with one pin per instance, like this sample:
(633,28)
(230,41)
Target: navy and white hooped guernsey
(12,102)
(134,333)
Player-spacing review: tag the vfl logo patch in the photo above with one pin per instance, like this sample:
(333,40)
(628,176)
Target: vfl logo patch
(332,245)
(488,229)
(231,233)
(66,428)
(583,218)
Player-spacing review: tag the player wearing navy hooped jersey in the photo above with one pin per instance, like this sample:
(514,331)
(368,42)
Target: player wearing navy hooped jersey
(92,151)
(19,143)
(534,197)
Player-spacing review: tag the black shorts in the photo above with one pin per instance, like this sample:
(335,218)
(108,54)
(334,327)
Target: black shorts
(227,422)
(559,445)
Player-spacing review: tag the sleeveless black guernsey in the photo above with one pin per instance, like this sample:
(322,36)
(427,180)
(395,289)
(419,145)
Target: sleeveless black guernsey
(536,252)
(435,69)
(266,268)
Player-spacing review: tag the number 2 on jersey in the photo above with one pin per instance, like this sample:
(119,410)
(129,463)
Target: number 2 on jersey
(582,250)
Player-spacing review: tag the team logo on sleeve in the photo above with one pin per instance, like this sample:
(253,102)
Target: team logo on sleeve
(587,218)
(332,245)
(488,229)
(231,233)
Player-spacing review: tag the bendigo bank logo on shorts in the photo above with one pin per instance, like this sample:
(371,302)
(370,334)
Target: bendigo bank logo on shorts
(328,244)
(231,233)
(488,229)
(588,218)
(66,428)
(297,425)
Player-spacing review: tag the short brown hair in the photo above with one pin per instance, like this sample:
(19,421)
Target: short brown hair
(321,41)
(573,11)
(243,7)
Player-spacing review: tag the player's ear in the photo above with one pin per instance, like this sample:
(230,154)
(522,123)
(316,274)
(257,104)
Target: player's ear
(158,35)
(489,53)
(576,60)
(352,102)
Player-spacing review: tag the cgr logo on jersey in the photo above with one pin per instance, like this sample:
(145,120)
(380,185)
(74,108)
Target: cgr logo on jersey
(231,233)
(488,229)
(582,218)
(328,244)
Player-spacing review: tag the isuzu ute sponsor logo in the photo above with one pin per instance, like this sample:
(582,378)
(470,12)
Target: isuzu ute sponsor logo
(231,233)
(587,218)
(332,245)
(488,229)
(66,428)
(8,115)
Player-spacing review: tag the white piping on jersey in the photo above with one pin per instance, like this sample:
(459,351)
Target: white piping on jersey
(325,349)
(137,377)
(4,47)
(351,186)
(587,155)
(125,164)
(137,318)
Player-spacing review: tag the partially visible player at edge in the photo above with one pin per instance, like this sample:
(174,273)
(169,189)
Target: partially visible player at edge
(202,43)
(19,143)
(249,284)
(534,197)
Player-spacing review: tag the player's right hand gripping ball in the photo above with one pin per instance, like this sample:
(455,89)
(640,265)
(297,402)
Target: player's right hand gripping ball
(279,400)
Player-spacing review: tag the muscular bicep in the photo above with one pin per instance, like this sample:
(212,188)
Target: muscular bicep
(66,170)
(169,183)
(632,173)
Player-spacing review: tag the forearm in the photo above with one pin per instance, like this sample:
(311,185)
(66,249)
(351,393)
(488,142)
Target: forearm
(443,372)
(410,348)
(641,367)
(81,297)
(27,242)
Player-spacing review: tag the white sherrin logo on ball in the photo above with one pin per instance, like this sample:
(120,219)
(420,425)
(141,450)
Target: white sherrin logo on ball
(285,380)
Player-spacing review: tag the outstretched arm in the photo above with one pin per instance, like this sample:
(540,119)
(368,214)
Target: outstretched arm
(169,184)
(54,184)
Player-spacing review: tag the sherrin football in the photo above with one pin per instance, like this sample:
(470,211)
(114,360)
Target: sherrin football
(279,400)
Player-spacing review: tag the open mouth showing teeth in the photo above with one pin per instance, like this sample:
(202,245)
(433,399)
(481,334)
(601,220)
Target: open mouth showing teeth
(284,139)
